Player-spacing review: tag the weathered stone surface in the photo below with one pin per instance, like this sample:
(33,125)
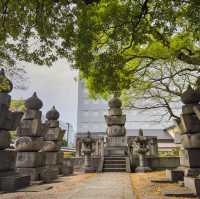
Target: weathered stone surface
(4,139)
(7,160)
(34,173)
(29,144)
(50,146)
(51,158)
(5,99)
(115,120)
(190,123)
(30,128)
(60,157)
(53,123)
(197,111)
(191,140)
(54,134)
(188,158)
(12,183)
(67,170)
(115,131)
(175,175)
(193,184)
(30,159)
(3,115)
(49,174)
(191,172)
(32,114)
(115,111)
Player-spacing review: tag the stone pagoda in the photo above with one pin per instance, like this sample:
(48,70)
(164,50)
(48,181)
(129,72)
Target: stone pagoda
(30,140)
(115,151)
(9,179)
(53,141)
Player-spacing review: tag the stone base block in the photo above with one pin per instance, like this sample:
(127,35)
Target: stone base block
(12,183)
(188,158)
(51,158)
(67,170)
(49,174)
(50,146)
(32,144)
(4,139)
(54,134)
(53,123)
(118,150)
(193,184)
(34,173)
(88,170)
(142,169)
(30,159)
(175,175)
(7,160)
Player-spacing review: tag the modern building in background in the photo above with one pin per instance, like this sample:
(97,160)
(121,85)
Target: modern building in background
(90,117)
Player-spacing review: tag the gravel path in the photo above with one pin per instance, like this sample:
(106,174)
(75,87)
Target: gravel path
(104,186)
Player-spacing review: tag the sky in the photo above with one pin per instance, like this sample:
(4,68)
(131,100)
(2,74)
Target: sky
(55,86)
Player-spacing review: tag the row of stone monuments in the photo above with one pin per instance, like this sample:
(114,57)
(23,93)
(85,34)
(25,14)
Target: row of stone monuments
(37,145)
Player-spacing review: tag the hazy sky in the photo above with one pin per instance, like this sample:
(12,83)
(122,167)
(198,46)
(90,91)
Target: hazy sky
(54,86)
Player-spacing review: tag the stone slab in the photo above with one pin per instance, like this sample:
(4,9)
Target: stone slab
(30,159)
(193,184)
(121,151)
(161,180)
(34,173)
(32,114)
(115,120)
(51,158)
(189,158)
(7,160)
(49,174)
(116,131)
(12,183)
(51,146)
(190,123)
(54,134)
(190,141)
(5,139)
(178,193)
(175,175)
(27,144)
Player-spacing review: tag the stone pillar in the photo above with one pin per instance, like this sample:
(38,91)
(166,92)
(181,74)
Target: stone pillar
(30,140)
(53,141)
(116,140)
(9,179)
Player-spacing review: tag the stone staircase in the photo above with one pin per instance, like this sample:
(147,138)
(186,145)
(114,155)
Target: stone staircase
(114,164)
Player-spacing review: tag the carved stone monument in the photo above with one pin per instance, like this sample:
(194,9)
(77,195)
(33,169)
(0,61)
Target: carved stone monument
(142,149)
(116,133)
(53,141)
(87,150)
(9,179)
(30,140)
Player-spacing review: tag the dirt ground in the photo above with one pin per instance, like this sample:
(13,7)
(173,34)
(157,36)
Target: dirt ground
(54,190)
(145,189)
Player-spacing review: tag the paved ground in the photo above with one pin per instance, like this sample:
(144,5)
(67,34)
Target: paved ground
(104,186)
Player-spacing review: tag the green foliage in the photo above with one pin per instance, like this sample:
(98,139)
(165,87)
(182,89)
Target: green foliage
(17,105)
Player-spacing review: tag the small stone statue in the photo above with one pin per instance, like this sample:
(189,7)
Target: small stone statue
(87,150)
(142,143)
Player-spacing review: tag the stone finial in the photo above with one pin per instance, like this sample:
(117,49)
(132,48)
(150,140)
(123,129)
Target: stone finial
(115,102)
(33,102)
(53,114)
(6,85)
(190,96)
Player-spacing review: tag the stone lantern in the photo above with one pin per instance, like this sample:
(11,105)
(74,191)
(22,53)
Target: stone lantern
(142,143)
(87,151)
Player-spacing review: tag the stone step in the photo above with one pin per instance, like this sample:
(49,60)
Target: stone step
(114,158)
(114,169)
(114,162)
(114,166)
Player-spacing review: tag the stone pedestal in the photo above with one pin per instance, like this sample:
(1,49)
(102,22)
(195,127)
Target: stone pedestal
(9,180)
(53,141)
(30,140)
